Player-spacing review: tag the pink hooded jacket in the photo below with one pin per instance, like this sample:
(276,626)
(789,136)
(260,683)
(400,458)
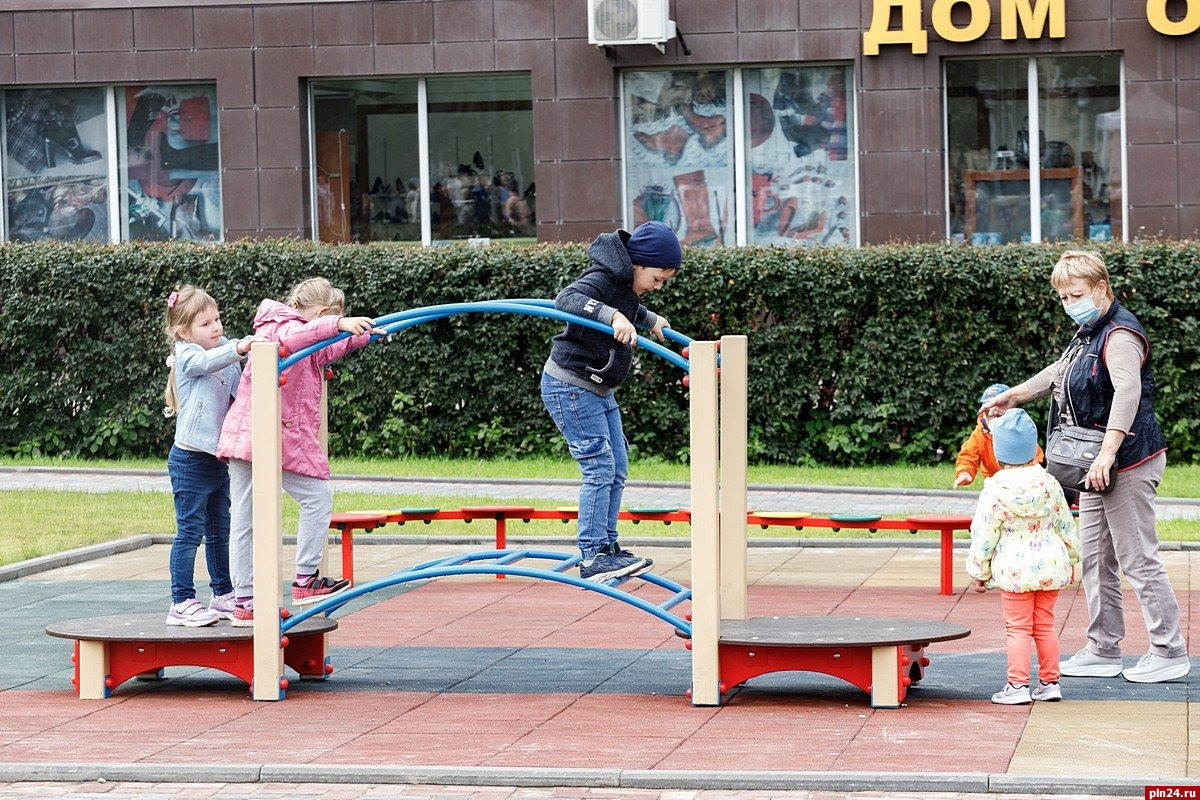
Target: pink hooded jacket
(300,400)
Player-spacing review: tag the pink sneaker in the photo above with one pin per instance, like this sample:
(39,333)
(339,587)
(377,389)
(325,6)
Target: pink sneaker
(317,589)
(222,605)
(243,615)
(191,614)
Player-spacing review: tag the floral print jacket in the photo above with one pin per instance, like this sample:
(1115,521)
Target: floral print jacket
(1023,537)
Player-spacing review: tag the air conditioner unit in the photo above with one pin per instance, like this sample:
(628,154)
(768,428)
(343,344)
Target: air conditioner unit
(612,22)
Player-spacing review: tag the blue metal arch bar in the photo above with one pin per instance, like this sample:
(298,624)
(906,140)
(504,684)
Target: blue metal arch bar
(393,323)
(502,564)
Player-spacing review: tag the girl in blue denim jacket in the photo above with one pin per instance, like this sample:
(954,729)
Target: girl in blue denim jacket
(205,368)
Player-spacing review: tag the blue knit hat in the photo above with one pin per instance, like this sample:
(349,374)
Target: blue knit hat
(654,244)
(992,391)
(1014,437)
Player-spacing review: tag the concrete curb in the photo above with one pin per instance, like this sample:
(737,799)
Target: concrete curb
(970,782)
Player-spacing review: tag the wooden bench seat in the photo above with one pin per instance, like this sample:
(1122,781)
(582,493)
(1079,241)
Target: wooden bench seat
(882,656)
(111,650)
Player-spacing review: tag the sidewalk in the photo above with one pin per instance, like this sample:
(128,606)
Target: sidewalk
(814,499)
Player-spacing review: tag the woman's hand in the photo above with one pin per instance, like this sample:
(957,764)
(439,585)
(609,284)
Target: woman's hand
(623,330)
(1098,475)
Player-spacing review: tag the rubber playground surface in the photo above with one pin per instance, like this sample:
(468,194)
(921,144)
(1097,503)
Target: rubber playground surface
(477,681)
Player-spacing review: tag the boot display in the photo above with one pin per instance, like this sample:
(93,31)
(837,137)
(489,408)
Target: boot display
(59,133)
(669,143)
(693,197)
(712,130)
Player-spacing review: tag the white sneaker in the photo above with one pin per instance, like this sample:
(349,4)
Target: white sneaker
(1012,696)
(1153,668)
(1086,664)
(191,614)
(1047,692)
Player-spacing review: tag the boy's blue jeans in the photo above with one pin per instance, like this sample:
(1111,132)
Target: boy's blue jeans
(592,427)
(200,483)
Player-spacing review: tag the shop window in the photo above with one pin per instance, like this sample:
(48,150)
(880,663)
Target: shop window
(800,156)
(56,165)
(169,168)
(58,169)
(1072,132)
(472,179)
(681,167)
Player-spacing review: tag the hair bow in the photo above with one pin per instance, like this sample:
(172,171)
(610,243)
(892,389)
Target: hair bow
(171,298)
(170,362)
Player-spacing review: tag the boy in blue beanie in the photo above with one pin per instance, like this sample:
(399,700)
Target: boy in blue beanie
(587,365)
(1025,543)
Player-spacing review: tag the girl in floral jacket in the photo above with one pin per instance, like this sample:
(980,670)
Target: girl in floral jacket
(1025,543)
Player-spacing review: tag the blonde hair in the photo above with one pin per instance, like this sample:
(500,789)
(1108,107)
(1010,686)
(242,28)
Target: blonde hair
(315,293)
(183,306)
(1074,264)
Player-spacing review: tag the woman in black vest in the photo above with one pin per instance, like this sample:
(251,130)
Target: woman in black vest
(1104,380)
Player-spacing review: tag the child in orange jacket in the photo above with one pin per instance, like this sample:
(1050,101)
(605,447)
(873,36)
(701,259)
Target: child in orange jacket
(977,452)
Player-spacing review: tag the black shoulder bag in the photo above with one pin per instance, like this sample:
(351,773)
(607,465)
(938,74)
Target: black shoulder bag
(1070,451)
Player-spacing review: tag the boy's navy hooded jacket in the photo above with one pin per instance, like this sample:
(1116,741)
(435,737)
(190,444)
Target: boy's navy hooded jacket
(586,357)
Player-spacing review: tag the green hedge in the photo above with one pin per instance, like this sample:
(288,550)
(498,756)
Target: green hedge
(873,355)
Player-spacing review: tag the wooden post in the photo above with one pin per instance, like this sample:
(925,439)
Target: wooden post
(706,577)
(733,436)
(267,468)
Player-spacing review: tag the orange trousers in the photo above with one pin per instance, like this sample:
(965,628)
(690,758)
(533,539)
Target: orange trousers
(1028,621)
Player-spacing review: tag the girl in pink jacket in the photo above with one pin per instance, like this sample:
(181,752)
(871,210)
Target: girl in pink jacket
(312,313)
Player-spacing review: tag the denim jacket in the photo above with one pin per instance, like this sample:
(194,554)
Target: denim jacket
(206,382)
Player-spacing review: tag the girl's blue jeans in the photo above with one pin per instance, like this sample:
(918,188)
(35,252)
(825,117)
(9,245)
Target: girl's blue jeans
(200,483)
(592,427)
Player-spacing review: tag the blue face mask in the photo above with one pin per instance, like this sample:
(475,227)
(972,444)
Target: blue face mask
(1083,311)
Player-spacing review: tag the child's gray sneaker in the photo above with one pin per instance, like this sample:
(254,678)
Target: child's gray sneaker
(1086,664)
(1012,696)
(606,567)
(615,549)
(222,605)
(191,613)
(1047,692)
(1153,668)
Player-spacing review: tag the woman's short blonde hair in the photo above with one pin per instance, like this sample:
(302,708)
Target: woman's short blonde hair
(1074,264)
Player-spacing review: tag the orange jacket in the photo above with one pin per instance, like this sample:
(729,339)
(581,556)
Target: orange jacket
(976,453)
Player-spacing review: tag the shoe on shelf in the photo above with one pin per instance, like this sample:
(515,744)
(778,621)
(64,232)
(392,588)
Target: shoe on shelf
(317,589)
(222,605)
(1153,668)
(243,614)
(1012,696)
(191,613)
(604,567)
(1047,692)
(615,549)
(1086,664)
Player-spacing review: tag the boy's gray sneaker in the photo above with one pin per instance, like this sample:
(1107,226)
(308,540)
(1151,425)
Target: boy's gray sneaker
(1153,668)
(1047,692)
(616,550)
(1086,664)
(1012,696)
(605,567)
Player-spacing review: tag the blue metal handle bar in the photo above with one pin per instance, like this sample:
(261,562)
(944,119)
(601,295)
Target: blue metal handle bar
(419,315)
(669,333)
(408,576)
